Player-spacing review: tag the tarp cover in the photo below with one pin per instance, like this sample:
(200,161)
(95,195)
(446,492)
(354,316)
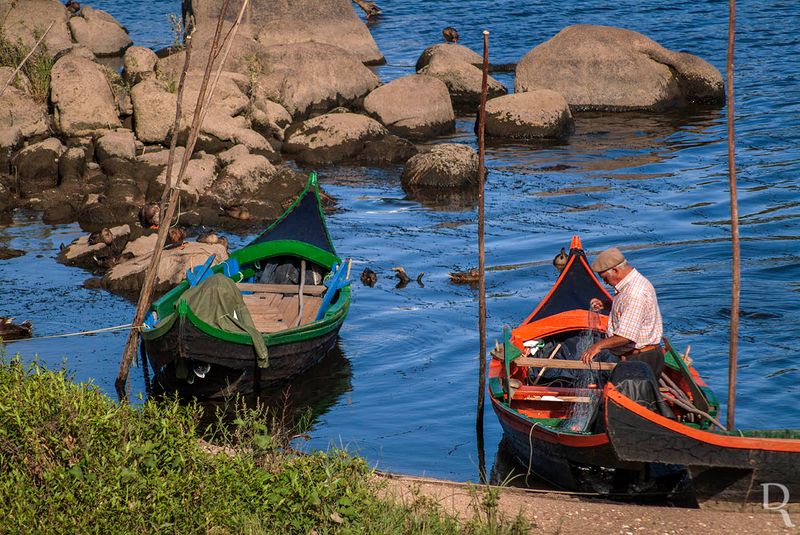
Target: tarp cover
(218,302)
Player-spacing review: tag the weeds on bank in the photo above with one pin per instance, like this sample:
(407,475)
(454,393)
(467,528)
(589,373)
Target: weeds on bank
(73,461)
(37,69)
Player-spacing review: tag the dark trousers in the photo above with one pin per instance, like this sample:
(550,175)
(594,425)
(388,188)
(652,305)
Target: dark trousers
(653,358)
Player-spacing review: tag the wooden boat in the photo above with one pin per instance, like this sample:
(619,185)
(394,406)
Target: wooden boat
(268,313)
(736,470)
(550,407)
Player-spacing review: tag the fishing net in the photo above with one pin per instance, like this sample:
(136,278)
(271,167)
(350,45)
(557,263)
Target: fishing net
(587,382)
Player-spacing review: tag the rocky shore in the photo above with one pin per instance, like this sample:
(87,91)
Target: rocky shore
(80,141)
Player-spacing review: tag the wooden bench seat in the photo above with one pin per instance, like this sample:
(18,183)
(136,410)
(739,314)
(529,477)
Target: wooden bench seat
(308,289)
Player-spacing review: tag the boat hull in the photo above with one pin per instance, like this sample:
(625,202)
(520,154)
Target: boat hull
(585,462)
(233,366)
(727,472)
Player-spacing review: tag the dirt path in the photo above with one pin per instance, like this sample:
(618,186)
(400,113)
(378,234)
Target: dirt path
(553,513)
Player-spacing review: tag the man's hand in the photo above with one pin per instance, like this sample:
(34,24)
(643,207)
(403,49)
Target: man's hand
(595,305)
(590,353)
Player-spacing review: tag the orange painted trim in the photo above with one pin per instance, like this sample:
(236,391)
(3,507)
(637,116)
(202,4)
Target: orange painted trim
(723,441)
(570,320)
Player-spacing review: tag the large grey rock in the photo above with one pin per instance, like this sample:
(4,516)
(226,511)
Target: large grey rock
(241,180)
(200,174)
(37,166)
(269,119)
(449,52)
(128,276)
(100,32)
(27,20)
(612,69)
(311,78)
(18,110)
(415,106)
(139,63)
(153,111)
(448,165)
(332,138)
(332,22)
(72,165)
(536,114)
(115,144)
(10,141)
(82,97)
(463,80)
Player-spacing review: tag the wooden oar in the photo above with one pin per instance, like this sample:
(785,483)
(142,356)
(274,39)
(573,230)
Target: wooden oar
(563,364)
(300,296)
(541,372)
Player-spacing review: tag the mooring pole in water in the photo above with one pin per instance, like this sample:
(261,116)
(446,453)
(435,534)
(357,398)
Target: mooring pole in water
(203,100)
(481,259)
(736,253)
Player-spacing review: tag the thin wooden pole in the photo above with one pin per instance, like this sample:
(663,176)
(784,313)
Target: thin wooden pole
(481,257)
(152,270)
(736,253)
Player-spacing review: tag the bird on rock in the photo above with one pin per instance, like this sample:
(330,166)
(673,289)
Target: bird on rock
(238,212)
(450,34)
(212,238)
(560,260)
(14,331)
(72,6)
(104,236)
(150,215)
(175,237)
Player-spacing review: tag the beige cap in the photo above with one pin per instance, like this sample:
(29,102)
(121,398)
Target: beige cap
(607,259)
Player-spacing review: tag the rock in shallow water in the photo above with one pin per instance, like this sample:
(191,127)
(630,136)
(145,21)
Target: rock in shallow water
(332,138)
(612,69)
(100,32)
(448,165)
(537,114)
(37,166)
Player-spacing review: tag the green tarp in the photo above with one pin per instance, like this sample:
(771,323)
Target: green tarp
(218,302)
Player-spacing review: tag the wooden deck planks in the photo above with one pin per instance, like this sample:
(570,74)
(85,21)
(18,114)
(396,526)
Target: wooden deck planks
(309,289)
(273,312)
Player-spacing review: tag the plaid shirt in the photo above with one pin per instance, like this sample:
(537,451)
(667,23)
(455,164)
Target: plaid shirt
(634,312)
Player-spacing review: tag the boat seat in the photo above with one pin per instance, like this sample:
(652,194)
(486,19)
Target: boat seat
(273,312)
(309,289)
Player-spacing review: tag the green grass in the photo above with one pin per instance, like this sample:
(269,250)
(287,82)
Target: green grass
(74,461)
(37,69)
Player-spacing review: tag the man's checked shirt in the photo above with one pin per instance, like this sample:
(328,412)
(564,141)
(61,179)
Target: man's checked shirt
(634,311)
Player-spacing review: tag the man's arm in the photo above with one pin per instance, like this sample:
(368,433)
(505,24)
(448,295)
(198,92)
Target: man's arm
(606,343)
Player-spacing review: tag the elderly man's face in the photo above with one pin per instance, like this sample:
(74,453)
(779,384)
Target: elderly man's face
(612,276)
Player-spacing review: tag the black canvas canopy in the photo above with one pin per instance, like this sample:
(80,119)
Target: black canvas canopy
(575,288)
(302,221)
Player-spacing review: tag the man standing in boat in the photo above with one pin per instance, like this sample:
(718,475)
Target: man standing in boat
(634,323)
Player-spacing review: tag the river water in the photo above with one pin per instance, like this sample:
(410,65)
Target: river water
(402,389)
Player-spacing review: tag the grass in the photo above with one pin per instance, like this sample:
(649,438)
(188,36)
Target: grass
(37,69)
(75,461)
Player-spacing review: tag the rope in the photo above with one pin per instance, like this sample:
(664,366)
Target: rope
(66,335)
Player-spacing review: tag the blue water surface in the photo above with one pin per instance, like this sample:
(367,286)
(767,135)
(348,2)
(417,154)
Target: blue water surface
(654,184)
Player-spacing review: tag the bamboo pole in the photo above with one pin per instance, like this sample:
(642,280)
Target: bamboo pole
(19,67)
(481,256)
(736,253)
(152,270)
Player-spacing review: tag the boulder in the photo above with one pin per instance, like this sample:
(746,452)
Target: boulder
(448,165)
(20,111)
(151,164)
(387,150)
(139,63)
(269,119)
(310,78)
(415,106)
(200,174)
(536,114)
(28,20)
(229,131)
(332,138)
(82,97)
(6,201)
(128,277)
(115,144)
(72,165)
(452,52)
(100,32)
(333,22)
(612,69)
(229,156)
(20,81)
(463,80)
(153,111)
(80,253)
(241,180)
(10,141)
(37,166)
